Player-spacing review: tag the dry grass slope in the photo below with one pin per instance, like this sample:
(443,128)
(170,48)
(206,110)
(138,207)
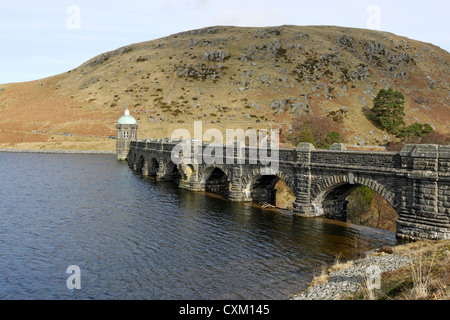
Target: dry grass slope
(426,278)
(229,77)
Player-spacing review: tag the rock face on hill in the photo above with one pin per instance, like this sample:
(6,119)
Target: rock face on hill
(233,77)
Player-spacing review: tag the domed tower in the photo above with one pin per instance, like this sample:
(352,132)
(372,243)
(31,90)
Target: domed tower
(127,128)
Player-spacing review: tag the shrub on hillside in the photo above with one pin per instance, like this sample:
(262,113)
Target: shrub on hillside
(388,113)
(430,138)
(388,110)
(322,132)
(415,130)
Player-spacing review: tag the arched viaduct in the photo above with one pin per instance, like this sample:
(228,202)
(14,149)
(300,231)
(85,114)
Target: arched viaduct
(415,181)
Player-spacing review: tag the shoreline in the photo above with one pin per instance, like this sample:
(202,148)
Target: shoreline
(349,278)
(397,269)
(58,151)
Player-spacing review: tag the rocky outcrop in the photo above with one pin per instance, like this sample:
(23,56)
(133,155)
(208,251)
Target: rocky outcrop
(215,55)
(293,105)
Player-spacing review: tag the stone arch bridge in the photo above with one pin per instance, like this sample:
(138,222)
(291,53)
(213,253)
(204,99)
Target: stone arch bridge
(415,181)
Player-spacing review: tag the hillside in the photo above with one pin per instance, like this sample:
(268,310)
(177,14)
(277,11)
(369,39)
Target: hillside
(230,77)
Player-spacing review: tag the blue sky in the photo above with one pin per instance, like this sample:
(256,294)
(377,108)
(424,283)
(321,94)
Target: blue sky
(43,38)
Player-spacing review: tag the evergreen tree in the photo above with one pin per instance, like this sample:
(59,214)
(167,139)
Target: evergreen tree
(388,110)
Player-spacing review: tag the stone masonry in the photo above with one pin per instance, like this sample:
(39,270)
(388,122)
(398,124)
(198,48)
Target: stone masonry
(415,181)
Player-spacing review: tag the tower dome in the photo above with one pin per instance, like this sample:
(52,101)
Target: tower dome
(127,128)
(126,118)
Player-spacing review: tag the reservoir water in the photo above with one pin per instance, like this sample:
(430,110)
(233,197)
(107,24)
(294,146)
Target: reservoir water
(136,238)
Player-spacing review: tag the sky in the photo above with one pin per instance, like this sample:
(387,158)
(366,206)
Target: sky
(44,38)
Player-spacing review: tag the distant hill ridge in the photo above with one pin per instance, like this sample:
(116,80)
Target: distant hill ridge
(231,77)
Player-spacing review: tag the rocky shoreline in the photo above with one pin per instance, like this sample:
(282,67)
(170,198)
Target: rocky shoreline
(348,281)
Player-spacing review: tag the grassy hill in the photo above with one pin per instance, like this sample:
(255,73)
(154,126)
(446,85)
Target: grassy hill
(230,77)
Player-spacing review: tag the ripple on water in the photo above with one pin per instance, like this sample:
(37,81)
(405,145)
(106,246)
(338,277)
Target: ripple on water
(136,238)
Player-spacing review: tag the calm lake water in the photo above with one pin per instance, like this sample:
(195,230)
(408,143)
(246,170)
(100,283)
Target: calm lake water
(136,238)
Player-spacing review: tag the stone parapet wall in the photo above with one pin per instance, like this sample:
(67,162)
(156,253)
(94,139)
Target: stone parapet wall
(357,158)
(415,181)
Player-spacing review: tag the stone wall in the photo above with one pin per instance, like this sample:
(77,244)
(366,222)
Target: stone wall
(362,158)
(415,181)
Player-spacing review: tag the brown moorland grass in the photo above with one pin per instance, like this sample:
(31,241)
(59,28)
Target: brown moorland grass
(170,82)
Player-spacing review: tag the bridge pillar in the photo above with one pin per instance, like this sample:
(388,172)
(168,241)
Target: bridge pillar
(238,195)
(443,192)
(194,183)
(162,174)
(425,208)
(237,191)
(302,204)
(190,180)
(145,169)
(152,168)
